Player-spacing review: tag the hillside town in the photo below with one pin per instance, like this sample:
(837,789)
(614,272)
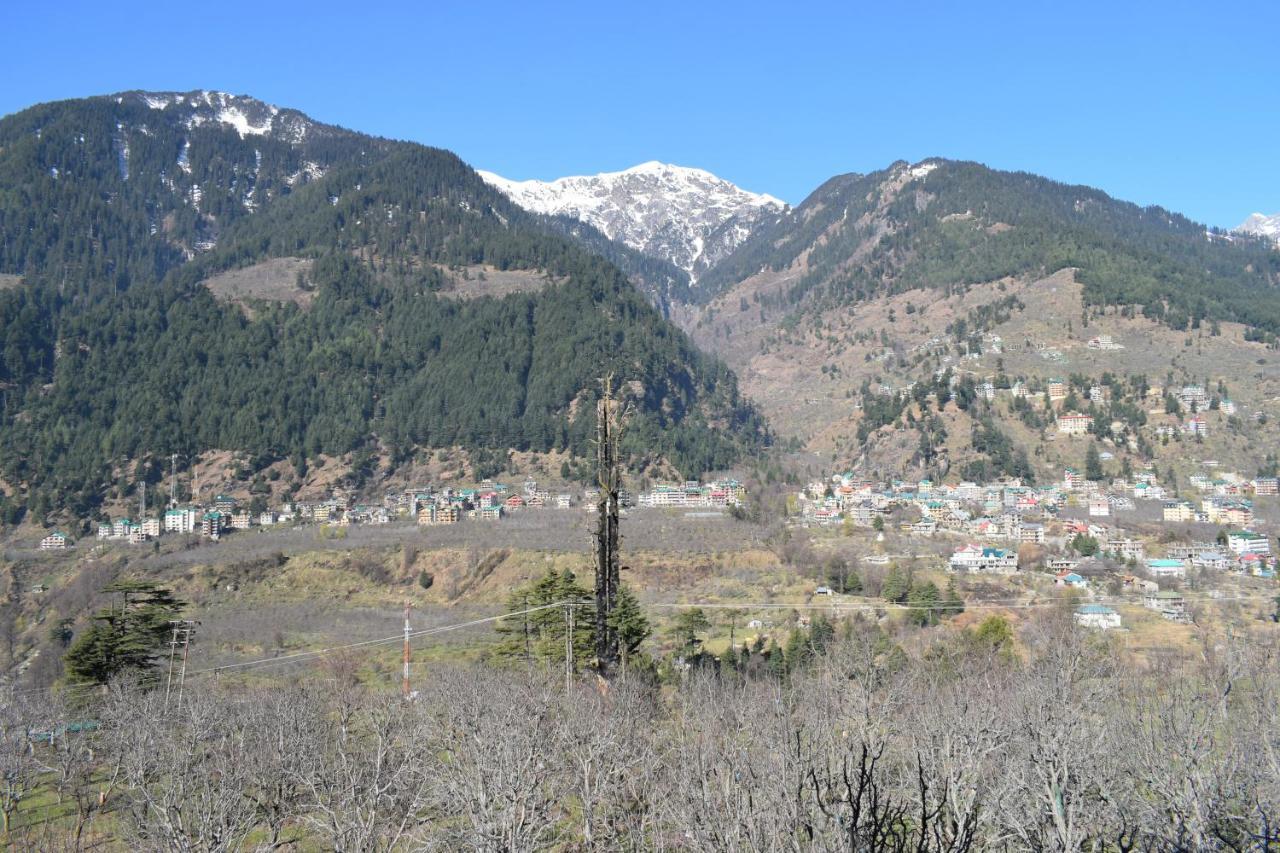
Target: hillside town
(1135,533)
(434,505)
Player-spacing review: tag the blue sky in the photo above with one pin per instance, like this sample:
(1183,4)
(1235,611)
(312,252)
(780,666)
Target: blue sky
(1170,103)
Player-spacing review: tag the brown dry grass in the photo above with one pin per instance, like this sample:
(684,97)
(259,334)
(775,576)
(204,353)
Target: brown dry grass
(273,280)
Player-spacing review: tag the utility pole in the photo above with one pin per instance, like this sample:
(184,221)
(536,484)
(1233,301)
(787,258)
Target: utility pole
(173,647)
(173,479)
(190,627)
(568,647)
(404,687)
(142,502)
(183,628)
(609,421)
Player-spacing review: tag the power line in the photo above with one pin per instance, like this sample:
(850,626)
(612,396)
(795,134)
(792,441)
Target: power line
(832,606)
(940,605)
(427,632)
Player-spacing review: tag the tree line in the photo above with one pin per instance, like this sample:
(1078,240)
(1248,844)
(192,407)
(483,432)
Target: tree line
(970,742)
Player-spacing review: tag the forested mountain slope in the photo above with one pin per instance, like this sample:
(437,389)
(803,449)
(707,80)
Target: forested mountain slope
(946,224)
(115,210)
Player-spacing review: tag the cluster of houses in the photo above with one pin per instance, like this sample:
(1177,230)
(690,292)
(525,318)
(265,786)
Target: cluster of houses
(211,521)
(991,514)
(1193,399)
(1005,510)
(1170,604)
(719,493)
(491,501)
(488,500)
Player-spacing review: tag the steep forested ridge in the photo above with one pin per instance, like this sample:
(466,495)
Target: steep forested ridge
(115,210)
(946,224)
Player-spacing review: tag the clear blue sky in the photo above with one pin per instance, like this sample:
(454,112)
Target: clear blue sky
(1160,103)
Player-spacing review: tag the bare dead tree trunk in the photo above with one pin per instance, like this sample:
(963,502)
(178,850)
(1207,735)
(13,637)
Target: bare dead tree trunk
(607,565)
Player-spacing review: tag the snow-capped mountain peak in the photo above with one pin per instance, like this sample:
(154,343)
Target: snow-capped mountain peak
(1263,226)
(687,216)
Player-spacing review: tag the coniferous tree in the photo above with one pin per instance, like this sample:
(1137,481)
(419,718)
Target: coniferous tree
(688,624)
(895,586)
(126,638)
(536,634)
(953,604)
(923,600)
(1093,463)
(629,621)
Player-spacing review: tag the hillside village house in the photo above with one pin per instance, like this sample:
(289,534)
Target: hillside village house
(1241,542)
(1057,390)
(1070,579)
(1126,548)
(55,541)
(976,558)
(1075,424)
(1269,486)
(213,524)
(1168,603)
(1223,511)
(1196,425)
(1193,398)
(1166,568)
(1104,342)
(1031,533)
(1097,616)
(1073,479)
(1211,560)
(1177,511)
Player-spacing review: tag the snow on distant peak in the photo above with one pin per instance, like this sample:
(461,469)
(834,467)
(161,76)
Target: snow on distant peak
(675,213)
(921,170)
(1263,226)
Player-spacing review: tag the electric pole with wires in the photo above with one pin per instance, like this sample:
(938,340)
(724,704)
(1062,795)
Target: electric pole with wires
(404,687)
(182,631)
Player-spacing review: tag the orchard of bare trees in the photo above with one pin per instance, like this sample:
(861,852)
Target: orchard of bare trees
(1063,746)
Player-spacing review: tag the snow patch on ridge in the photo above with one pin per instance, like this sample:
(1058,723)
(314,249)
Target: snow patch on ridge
(1262,226)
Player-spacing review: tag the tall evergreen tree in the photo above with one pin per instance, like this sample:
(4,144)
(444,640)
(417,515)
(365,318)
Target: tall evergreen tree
(126,638)
(629,621)
(895,586)
(536,634)
(1093,463)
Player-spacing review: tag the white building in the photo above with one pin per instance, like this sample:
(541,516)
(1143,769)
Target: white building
(181,520)
(55,541)
(1097,616)
(1243,542)
(976,558)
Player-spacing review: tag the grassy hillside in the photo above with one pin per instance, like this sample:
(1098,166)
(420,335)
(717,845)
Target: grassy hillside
(844,317)
(819,378)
